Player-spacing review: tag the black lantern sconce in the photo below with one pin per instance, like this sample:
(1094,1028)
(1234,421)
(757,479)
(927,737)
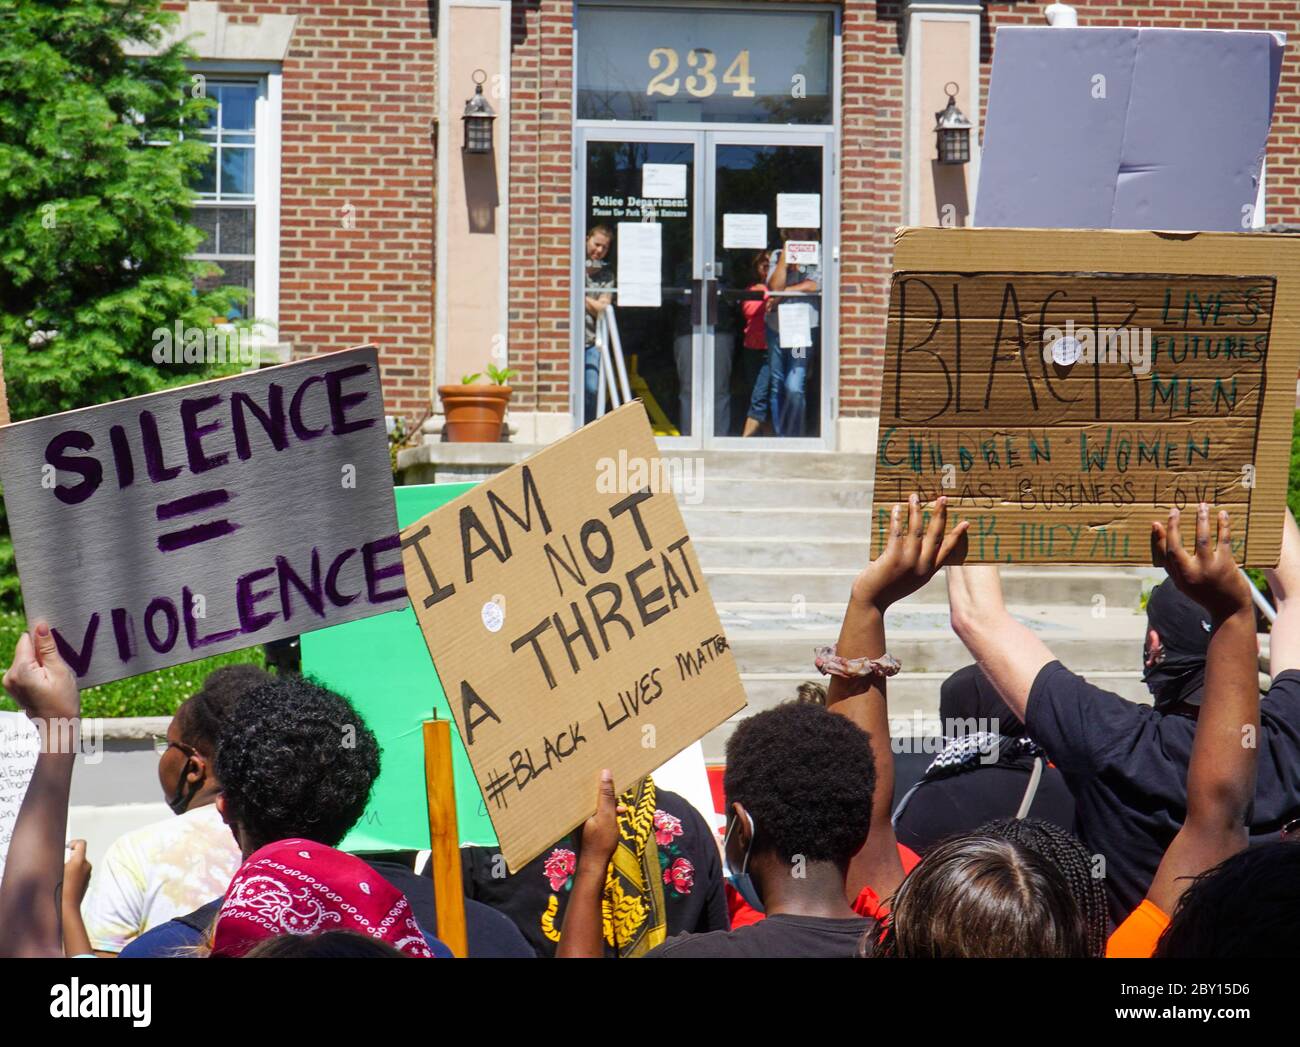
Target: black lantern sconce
(478,118)
(953,130)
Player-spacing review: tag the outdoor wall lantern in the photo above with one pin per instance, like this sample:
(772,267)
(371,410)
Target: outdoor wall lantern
(953,130)
(478,118)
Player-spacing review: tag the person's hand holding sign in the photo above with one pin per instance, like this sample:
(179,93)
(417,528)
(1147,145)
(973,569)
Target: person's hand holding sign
(1209,575)
(42,683)
(913,553)
(581,934)
(40,680)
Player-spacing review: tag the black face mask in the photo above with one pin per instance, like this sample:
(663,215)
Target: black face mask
(1171,678)
(179,802)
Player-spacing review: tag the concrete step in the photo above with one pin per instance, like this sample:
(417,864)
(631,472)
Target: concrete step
(773,464)
(787,521)
(763,492)
(798,586)
(744,552)
(913,705)
(838,558)
(921,638)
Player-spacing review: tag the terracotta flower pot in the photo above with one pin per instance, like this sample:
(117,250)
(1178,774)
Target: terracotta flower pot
(474,412)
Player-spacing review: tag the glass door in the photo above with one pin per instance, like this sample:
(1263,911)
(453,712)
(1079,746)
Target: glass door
(638,324)
(703,263)
(768,323)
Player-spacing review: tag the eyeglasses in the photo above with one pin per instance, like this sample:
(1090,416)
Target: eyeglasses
(161,743)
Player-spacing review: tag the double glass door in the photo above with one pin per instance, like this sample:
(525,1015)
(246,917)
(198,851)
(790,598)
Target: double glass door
(711,253)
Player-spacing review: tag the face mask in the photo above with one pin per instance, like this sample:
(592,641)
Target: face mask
(742,881)
(180,800)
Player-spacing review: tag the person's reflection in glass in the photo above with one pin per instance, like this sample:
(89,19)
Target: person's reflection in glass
(756,366)
(789,365)
(599,240)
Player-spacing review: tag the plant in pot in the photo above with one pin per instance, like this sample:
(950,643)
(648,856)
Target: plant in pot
(474,411)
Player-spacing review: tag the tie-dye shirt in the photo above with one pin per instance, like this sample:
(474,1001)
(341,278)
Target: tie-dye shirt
(156,873)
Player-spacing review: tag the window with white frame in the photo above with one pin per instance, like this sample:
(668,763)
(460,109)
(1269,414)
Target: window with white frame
(227,210)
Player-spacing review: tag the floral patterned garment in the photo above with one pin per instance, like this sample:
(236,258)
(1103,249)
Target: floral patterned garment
(535,897)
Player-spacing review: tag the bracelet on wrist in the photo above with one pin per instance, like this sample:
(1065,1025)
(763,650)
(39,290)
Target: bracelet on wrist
(831,663)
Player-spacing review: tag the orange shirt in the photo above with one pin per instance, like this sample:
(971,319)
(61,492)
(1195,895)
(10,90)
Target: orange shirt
(1137,936)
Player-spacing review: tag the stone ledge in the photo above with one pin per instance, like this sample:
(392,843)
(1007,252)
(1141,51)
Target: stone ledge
(452,462)
(133,728)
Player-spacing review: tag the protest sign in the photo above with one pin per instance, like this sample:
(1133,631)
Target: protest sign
(19,745)
(381,665)
(1065,388)
(570,625)
(1105,128)
(209,518)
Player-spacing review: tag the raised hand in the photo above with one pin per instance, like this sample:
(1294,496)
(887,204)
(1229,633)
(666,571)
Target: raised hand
(912,554)
(600,831)
(40,680)
(1209,575)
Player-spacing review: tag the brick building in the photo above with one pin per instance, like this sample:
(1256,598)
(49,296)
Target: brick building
(345,201)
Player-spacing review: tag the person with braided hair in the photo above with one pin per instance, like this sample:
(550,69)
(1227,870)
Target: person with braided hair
(983,895)
(1067,853)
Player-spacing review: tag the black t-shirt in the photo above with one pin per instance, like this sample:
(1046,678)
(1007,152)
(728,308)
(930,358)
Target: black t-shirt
(776,937)
(1127,767)
(488,934)
(536,896)
(947,806)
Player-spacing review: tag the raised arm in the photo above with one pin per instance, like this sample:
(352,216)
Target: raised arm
(41,682)
(582,933)
(1011,654)
(911,556)
(1221,773)
(1284,581)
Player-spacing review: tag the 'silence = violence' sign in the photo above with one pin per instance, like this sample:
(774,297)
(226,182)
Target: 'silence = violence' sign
(209,518)
(1062,412)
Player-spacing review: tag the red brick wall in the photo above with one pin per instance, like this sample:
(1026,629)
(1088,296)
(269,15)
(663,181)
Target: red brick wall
(359,101)
(359,98)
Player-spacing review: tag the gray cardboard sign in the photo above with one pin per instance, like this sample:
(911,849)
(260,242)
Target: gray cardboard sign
(1127,128)
(209,518)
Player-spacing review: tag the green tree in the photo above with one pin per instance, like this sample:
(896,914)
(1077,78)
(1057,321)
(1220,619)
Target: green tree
(98,154)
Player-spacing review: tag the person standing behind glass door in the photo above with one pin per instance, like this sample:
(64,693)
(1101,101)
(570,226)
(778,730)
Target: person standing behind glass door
(596,271)
(757,366)
(789,365)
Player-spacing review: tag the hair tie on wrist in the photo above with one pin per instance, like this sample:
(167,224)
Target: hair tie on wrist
(830,663)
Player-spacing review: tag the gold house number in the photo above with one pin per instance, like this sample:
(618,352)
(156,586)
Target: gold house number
(703,82)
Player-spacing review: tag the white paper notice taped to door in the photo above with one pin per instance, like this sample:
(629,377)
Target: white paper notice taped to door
(640,262)
(803,252)
(663,181)
(744,231)
(794,325)
(799,210)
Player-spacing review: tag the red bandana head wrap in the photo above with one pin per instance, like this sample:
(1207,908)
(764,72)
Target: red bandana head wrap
(301,887)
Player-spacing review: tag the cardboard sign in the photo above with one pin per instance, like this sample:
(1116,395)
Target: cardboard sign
(1065,388)
(571,627)
(1105,128)
(209,518)
(382,665)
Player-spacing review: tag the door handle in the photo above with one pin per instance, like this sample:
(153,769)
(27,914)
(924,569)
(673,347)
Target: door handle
(711,292)
(696,292)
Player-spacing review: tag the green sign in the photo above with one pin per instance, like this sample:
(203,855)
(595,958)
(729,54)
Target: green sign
(381,664)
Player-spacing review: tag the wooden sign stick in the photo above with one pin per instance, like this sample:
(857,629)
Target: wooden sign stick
(444,837)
